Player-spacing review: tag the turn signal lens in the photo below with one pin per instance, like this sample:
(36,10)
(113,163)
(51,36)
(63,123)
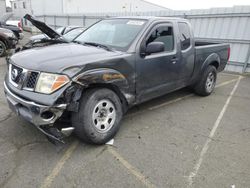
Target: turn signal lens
(59,82)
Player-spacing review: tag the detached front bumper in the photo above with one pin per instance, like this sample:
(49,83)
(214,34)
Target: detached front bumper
(41,116)
(36,114)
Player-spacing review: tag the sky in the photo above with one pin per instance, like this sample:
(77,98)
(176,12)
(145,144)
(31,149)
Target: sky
(198,4)
(194,4)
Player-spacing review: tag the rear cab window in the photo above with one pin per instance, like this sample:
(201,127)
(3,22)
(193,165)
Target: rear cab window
(185,35)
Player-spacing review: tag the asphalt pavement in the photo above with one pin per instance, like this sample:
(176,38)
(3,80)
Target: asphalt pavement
(178,140)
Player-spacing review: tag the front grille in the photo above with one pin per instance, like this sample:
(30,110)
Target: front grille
(32,80)
(19,75)
(22,78)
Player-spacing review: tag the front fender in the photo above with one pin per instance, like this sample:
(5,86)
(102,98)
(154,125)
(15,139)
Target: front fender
(106,76)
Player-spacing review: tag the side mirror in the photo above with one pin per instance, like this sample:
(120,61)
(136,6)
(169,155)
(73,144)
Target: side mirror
(155,47)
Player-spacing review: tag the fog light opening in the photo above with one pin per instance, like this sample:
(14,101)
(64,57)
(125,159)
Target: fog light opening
(47,115)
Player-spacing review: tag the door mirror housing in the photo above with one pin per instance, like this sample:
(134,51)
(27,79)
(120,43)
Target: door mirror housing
(155,47)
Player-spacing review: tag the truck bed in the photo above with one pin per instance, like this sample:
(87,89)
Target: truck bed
(200,43)
(206,48)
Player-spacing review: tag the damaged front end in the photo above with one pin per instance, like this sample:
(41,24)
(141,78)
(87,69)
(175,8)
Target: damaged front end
(42,116)
(43,111)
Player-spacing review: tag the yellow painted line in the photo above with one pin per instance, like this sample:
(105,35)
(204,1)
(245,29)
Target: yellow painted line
(226,83)
(177,100)
(54,173)
(230,74)
(189,95)
(143,179)
(170,102)
(50,178)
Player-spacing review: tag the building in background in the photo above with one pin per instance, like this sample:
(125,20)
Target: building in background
(20,7)
(95,6)
(8,9)
(226,25)
(55,7)
(36,7)
(2,7)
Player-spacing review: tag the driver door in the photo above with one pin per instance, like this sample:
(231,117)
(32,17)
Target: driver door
(157,73)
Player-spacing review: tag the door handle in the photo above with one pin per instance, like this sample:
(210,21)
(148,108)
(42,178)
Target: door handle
(174,60)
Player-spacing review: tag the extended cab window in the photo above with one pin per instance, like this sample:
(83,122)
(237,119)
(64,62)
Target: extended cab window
(163,34)
(185,36)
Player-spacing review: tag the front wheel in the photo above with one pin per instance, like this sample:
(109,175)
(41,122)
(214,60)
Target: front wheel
(99,116)
(207,82)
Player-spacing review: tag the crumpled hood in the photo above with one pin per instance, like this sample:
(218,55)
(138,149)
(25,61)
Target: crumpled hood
(57,58)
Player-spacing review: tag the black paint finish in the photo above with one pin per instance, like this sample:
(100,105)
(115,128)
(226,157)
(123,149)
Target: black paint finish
(136,77)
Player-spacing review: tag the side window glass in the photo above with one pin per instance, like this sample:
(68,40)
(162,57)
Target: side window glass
(163,34)
(185,36)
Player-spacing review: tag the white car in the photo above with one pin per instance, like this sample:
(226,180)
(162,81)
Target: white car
(69,32)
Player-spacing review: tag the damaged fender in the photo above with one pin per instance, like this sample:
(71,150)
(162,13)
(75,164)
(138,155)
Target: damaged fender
(108,77)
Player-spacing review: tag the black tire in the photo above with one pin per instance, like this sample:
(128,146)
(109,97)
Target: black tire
(84,121)
(2,49)
(202,87)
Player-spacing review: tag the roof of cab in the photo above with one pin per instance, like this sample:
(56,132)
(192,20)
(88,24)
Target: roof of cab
(151,18)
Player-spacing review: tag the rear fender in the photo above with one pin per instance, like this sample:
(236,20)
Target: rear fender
(211,59)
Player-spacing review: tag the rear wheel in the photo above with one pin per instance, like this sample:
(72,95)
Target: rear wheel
(99,116)
(2,48)
(207,82)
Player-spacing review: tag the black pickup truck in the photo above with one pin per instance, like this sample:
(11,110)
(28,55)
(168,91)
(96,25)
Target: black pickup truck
(113,65)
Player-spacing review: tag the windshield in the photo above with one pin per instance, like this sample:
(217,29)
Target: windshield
(73,33)
(117,33)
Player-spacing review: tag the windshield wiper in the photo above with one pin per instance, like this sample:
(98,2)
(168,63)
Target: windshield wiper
(97,45)
(55,40)
(77,42)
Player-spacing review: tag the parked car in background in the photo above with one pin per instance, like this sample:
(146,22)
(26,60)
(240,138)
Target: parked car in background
(7,41)
(16,23)
(68,35)
(14,26)
(113,65)
(71,31)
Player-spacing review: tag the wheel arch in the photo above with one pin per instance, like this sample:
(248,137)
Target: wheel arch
(213,59)
(110,79)
(113,88)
